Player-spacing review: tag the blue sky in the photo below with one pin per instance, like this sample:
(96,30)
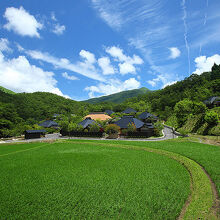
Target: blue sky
(89,48)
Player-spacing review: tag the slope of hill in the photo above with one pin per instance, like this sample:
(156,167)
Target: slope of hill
(120,96)
(40,105)
(6,90)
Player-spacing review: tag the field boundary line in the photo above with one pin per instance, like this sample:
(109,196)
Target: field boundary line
(201,202)
(20,151)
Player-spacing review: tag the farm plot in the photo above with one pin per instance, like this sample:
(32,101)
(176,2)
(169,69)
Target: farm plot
(204,200)
(78,180)
(208,156)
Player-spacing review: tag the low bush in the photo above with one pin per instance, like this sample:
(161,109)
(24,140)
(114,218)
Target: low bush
(112,129)
(211,117)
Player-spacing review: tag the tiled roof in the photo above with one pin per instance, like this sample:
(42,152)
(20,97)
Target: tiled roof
(126,120)
(48,124)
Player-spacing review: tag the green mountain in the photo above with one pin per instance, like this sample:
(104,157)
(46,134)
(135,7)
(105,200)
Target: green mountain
(120,96)
(6,90)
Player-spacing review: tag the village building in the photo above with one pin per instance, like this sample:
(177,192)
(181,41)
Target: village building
(32,134)
(49,124)
(129,111)
(212,102)
(98,116)
(147,117)
(109,112)
(87,122)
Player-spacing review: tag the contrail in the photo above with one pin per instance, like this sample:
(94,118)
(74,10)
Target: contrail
(186,34)
(205,21)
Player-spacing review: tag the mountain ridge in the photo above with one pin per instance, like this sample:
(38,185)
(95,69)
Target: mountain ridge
(119,97)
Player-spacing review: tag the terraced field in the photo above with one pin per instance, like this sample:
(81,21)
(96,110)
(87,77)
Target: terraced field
(102,180)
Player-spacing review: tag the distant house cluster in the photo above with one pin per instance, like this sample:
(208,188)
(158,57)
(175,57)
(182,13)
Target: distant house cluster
(142,123)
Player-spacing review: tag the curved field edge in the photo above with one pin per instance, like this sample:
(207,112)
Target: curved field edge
(201,200)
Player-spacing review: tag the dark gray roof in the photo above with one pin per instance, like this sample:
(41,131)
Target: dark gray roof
(35,131)
(129,110)
(126,120)
(85,123)
(48,124)
(109,112)
(211,100)
(146,115)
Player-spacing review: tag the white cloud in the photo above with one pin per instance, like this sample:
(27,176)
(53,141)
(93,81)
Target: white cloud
(174,52)
(112,86)
(59,29)
(19,75)
(107,68)
(126,68)
(90,57)
(127,63)
(67,76)
(204,64)
(53,17)
(4,45)
(86,68)
(21,22)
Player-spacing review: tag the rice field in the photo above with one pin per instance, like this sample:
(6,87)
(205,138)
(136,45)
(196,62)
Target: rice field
(89,181)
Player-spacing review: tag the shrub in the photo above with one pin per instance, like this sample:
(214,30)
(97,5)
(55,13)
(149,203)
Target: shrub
(94,127)
(124,132)
(72,127)
(158,127)
(211,117)
(112,129)
(184,132)
(215,130)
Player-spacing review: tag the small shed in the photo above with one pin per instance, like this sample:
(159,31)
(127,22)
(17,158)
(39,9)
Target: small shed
(31,134)
(49,124)
(129,111)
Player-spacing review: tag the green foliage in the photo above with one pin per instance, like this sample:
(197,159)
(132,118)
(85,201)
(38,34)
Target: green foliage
(94,127)
(183,131)
(185,108)
(112,129)
(172,121)
(211,117)
(158,127)
(215,130)
(6,90)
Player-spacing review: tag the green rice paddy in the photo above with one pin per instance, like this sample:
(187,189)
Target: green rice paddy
(83,179)
(86,181)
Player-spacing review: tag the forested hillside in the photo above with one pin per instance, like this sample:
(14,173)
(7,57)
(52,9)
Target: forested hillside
(196,88)
(120,96)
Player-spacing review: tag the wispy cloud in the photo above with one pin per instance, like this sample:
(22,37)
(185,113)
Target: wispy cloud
(82,68)
(183,4)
